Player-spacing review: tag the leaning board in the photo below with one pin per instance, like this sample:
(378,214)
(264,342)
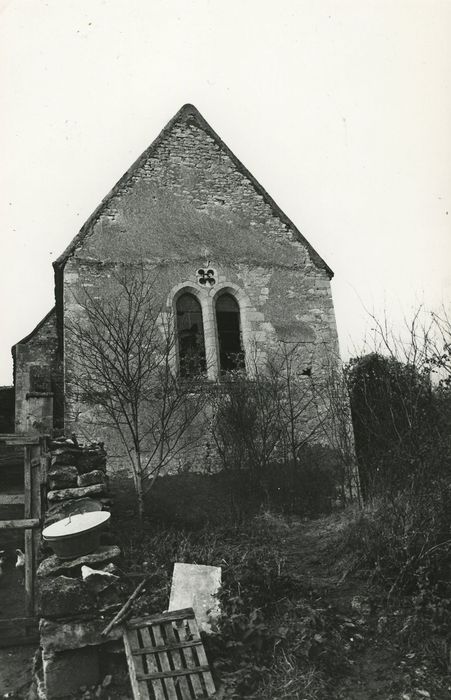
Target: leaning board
(166,657)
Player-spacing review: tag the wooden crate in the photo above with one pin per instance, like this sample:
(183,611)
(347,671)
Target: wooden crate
(166,657)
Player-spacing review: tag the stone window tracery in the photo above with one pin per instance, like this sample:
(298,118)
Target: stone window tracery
(206,276)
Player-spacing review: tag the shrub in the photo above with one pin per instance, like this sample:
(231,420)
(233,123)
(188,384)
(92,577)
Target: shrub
(404,540)
(311,486)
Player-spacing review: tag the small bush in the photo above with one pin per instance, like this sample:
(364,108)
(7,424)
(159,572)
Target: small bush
(310,487)
(405,539)
(404,542)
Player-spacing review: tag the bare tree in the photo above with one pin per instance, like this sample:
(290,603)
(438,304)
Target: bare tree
(122,365)
(301,414)
(245,426)
(270,415)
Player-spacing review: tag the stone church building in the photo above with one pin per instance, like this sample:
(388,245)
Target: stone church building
(226,255)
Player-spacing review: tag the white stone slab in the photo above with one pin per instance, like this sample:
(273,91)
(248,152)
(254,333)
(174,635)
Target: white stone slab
(196,586)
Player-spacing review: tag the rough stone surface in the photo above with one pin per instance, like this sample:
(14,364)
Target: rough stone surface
(96,579)
(65,672)
(91,459)
(53,565)
(65,476)
(34,356)
(60,636)
(89,478)
(65,455)
(79,492)
(62,509)
(188,193)
(188,200)
(111,597)
(64,597)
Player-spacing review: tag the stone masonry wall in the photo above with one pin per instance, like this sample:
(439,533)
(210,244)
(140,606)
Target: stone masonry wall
(73,610)
(188,203)
(37,377)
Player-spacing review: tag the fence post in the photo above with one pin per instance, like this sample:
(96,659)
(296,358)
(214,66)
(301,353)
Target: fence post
(28,512)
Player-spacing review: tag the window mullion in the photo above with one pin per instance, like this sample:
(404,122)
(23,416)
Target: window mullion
(210,337)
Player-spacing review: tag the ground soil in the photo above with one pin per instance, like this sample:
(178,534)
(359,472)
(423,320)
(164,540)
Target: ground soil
(383,666)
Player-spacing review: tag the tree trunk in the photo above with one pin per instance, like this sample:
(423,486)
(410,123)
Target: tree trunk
(138,479)
(140,500)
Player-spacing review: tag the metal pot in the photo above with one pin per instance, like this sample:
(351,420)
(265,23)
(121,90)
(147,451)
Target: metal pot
(76,535)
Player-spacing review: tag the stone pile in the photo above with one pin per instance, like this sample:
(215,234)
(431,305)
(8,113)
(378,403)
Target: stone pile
(75,603)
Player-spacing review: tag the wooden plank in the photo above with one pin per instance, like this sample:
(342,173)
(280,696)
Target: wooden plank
(178,660)
(12,499)
(174,672)
(36,512)
(45,459)
(28,513)
(137,622)
(22,524)
(191,662)
(169,656)
(163,658)
(140,690)
(152,667)
(7,622)
(19,439)
(124,609)
(29,572)
(201,655)
(18,641)
(167,647)
(27,481)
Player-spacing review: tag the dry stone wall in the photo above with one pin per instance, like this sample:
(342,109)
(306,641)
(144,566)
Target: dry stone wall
(74,611)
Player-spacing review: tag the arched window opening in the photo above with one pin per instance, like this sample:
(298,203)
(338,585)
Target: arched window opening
(231,355)
(190,334)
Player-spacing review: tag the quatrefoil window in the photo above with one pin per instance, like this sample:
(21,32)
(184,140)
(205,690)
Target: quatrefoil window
(206,276)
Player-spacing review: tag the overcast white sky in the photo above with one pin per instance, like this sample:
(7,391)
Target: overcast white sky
(341,109)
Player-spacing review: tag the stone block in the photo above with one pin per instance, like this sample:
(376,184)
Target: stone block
(62,509)
(52,566)
(110,598)
(65,456)
(78,492)
(65,672)
(76,634)
(91,459)
(196,586)
(63,477)
(98,580)
(97,476)
(64,597)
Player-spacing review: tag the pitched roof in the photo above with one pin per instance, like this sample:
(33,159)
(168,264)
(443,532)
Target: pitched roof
(36,329)
(189,113)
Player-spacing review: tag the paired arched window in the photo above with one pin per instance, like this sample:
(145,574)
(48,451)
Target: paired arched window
(231,356)
(190,334)
(226,347)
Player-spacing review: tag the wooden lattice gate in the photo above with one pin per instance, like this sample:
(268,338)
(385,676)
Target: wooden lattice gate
(35,460)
